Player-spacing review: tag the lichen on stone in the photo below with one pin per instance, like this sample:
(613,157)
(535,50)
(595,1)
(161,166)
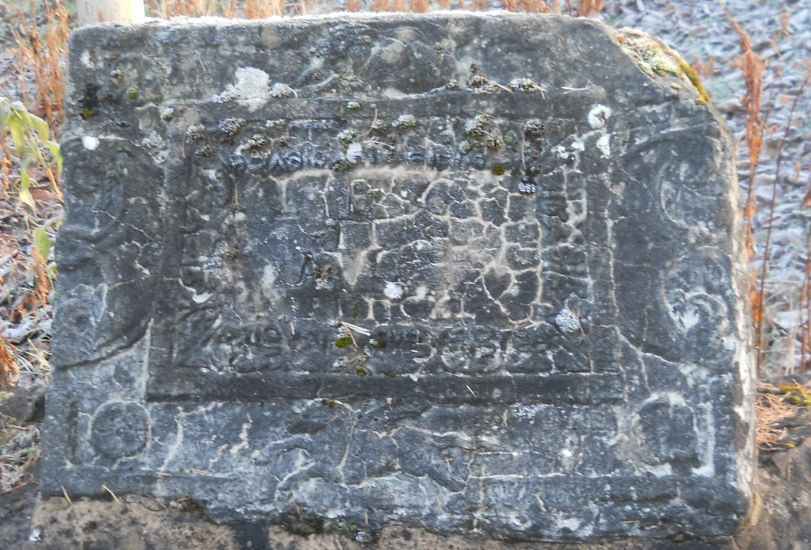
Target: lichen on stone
(231,127)
(195,133)
(258,146)
(405,122)
(656,58)
(526,85)
(347,136)
(478,126)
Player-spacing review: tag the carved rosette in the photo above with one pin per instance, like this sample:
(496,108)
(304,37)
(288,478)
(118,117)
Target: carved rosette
(120,429)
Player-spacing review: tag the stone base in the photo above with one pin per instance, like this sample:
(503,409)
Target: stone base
(135,523)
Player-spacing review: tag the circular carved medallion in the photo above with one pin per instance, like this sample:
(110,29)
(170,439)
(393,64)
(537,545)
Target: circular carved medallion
(120,429)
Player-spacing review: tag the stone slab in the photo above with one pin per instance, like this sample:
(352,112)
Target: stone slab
(471,273)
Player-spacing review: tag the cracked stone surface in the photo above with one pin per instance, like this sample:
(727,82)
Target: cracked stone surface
(472,273)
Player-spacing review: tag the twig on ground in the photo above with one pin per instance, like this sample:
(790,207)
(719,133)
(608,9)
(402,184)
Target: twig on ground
(112,494)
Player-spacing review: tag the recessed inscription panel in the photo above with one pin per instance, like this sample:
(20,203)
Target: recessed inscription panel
(394,248)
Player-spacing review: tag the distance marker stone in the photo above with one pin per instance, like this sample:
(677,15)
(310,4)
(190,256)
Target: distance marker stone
(473,273)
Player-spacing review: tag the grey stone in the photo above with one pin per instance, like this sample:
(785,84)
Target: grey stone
(471,273)
(23,404)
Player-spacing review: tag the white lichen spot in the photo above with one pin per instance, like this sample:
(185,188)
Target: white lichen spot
(598,116)
(393,291)
(268,283)
(567,321)
(688,317)
(85,58)
(566,458)
(243,439)
(252,88)
(568,524)
(35,536)
(90,143)
(706,442)
(279,90)
(152,140)
(354,153)
(527,412)
(604,145)
(560,151)
(392,51)
(201,298)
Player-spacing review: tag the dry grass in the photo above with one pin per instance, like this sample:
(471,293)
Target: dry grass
(753,68)
(40,62)
(769,227)
(805,302)
(590,8)
(775,407)
(771,410)
(30,200)
(19,451)
(192,8)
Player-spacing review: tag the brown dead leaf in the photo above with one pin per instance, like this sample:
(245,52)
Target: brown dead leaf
(9,371)
(43,195)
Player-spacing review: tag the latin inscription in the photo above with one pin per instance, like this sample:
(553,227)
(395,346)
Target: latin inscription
(377,248)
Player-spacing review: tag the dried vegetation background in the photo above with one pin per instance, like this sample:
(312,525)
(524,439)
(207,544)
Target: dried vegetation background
(753,56)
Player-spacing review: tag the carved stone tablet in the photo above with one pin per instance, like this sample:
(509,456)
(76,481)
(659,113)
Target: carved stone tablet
(469,273)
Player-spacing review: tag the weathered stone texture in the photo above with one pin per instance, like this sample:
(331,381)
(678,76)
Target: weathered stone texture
(468,273)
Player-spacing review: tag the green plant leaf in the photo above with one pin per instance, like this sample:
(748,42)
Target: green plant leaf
(25,180)
(5,113)
(42,242)
(40,126)
(52,146)
(27,199)
(15,126)
(56,153)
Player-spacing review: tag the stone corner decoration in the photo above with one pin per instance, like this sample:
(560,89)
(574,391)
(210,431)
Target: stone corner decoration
(472,273)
